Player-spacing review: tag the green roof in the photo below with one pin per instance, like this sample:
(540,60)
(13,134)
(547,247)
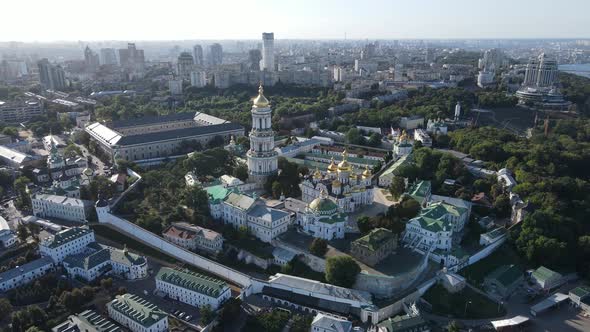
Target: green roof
(581,291)
(138,309)
(323,205)
(216,193)
(375,239)
(506,274)
(440,209)
(193,281)
(497,232)
(338,217)
(398,163)
(102,254)
(338,158)
(420,190)
(93,320)
(66,236)
(433,225)
(543,274)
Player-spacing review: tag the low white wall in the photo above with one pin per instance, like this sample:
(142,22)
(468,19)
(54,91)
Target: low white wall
(315,263)
(485,252)
(179,253)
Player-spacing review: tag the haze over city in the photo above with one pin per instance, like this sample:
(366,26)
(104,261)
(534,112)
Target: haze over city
(72,20)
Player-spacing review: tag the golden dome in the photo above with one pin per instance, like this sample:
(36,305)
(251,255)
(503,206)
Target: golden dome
(317,174)
(332,167)
(367,173)
(336,183)
(260,100)
(344,165)
(403,136)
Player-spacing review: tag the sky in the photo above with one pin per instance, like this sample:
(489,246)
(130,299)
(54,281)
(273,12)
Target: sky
(73,20)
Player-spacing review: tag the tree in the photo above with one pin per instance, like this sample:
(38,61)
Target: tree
(354,136)
(408,208)
(5,307)
(341,271)
(106,283)
(22,232)
(301,323)
(230,310)
(72,151)
(375,139)
(318,247)
(207,315)
(364,224)
(241,172)
(502,206)
(397,187)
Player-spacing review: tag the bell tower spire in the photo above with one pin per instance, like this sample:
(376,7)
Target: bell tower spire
(262,158)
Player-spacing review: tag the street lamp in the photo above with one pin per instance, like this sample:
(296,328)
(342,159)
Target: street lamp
(465,312)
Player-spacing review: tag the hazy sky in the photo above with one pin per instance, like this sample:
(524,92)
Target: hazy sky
(49,20)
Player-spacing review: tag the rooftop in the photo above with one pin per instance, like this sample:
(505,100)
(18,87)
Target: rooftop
(187,231)
(403,323)
(193,281)
(581,291)
(63,200)
(178,133)
(267,214)
(138,309)
(66,236)
(30,266)
(506,274)
(87,321)
(240,201)
(329,323)
(313,286)
(90,260)
(375,239)
(420,189)
(543,274)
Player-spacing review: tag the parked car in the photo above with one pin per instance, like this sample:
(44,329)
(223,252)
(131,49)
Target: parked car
(188,318)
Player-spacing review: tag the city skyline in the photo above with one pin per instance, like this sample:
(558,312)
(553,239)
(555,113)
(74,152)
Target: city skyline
(378,19)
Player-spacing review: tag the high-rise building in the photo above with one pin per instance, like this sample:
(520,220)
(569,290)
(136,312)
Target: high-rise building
(185,65)
(268,51)
(198,55)
(131,58)
(541,72)
(91,60)
(51,76)
(262,157)
(108,56)
(215,54)
(198,78)
(254,58)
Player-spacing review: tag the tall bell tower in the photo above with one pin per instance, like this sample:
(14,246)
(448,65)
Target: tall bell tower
(262,158)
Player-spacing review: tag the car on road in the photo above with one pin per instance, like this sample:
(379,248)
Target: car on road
(181,315)
(176,313)
(188,318)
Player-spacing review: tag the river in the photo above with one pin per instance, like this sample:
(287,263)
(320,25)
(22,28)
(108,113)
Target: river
(578,69)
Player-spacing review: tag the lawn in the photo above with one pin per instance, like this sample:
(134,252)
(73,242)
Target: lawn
(475,273)
(466,304)
(110,234)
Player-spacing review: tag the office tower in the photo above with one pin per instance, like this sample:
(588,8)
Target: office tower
(131,58)
(215,54)
(108,56)
(90,60)
(368,51)
(429,56)
(51,76)
(268,51)
(198,79)
(254,58)
(185,65)
(198,55)
(541,72)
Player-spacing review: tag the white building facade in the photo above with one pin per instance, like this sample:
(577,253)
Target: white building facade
(192,288)
(67,242)
(25,274)
(323,219)
(61,207)
(137,314)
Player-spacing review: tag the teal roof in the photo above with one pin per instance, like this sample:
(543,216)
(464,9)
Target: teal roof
(440,209)
(581,291)
(404,324)
(138,309)
(420,189)
(398,163)
(543,274)
(433,225)
(193,281)
(216,193)
(506,274)
(323,205)
(90,260)
(375,239)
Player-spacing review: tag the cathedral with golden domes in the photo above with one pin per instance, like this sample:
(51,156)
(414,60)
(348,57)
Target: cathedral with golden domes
(349,188)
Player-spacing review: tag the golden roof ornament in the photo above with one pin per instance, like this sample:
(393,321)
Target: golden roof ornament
(260,100)
(332,167)
(367,172)
(343,165)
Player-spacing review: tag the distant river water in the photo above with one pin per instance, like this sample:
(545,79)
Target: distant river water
(578,69)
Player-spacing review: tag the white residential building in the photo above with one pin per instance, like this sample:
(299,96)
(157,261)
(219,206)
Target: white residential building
(67,242)
(425,233)
(7,238)
(436,127)
(137,314)
(192,288)
(193,237)
(240,210)
(99,260)
(422,136)
(25,273)
(322,218)
(61,207)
